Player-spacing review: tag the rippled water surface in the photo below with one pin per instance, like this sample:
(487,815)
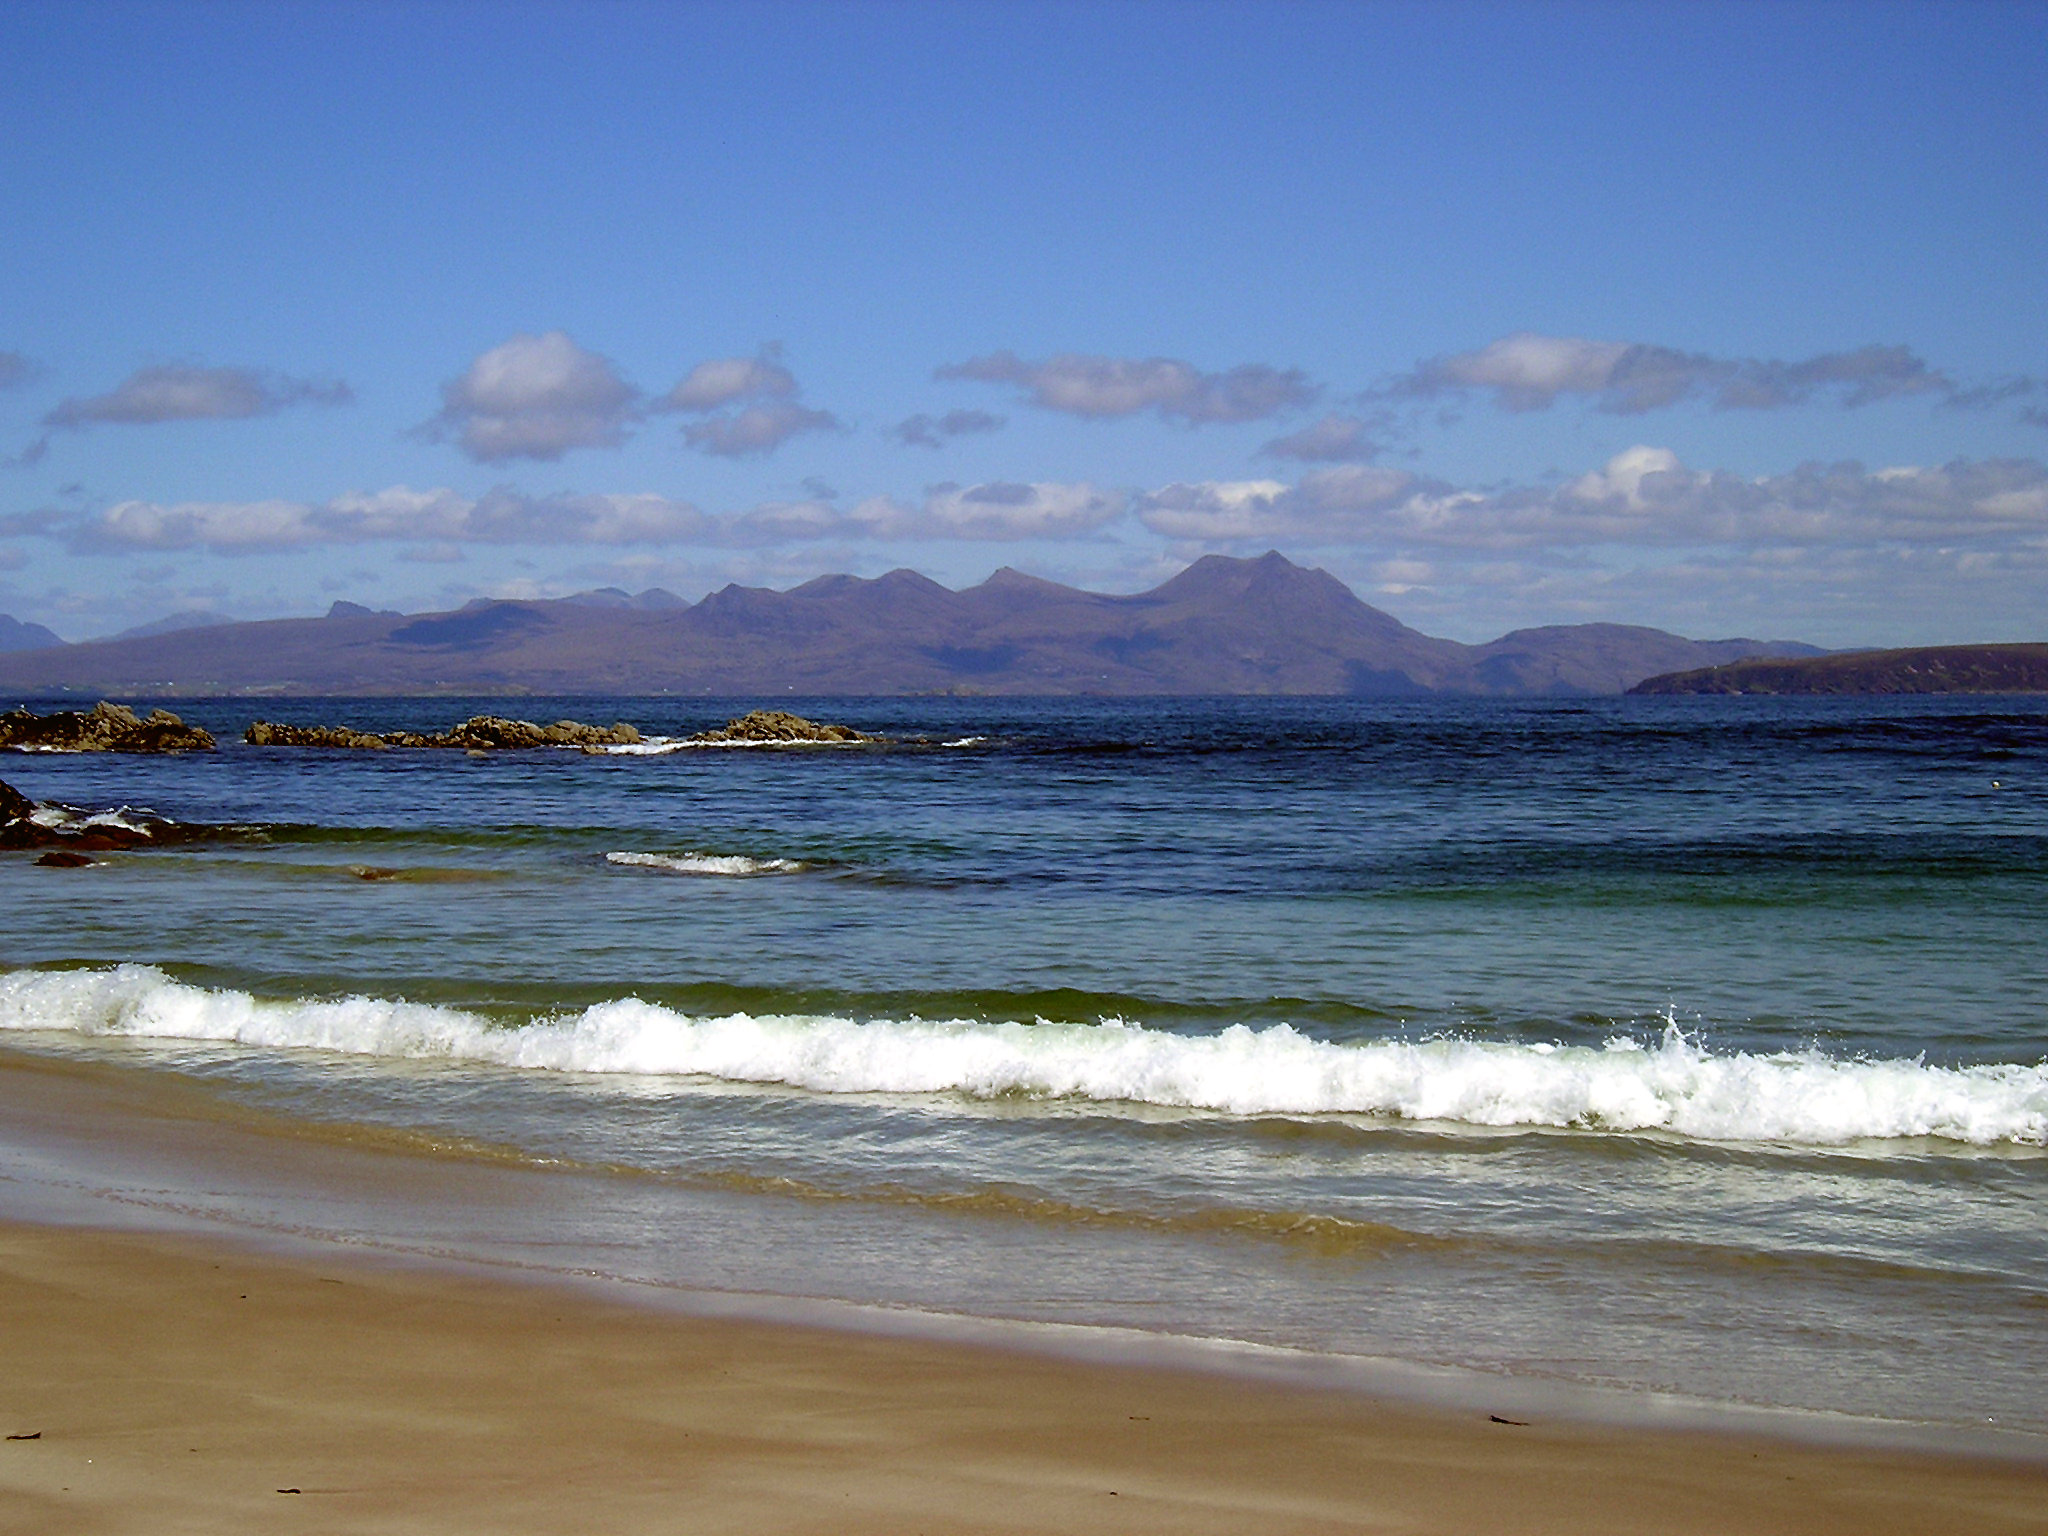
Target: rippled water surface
(1698,1044)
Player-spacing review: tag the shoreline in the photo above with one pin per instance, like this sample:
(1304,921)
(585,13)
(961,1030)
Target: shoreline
(180,1382)
(182,1367)
(98,1146)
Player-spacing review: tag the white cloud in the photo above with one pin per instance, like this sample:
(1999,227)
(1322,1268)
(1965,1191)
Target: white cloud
(1624,474)
(1527,371)
(1642,497)
(722,380)
(996,510)
(783,522)
(435,521)
(186,392)
(399,513)
(1336,439)
(508,517)
(765,393)
(535,397)
(922,431)
(1396,577)
(1007,510)
(758,429)
(1530,372)
(1354,502)
(1099,387)
(172,392)
(213,524)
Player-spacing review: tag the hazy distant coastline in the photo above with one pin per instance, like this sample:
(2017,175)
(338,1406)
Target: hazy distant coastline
(1919,669)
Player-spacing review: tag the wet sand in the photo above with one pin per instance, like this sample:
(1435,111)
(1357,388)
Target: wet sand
(183,1336)
(181,1384)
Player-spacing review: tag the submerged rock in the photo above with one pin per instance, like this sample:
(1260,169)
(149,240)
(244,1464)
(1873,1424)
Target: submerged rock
(103,728)
(479,733)
(770,725)
(64,858)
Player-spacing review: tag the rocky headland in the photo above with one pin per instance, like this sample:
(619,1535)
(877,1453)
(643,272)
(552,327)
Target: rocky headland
(103,728)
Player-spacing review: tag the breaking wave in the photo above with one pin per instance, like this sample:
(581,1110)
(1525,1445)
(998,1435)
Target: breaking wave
(707,863)
(1671,1086)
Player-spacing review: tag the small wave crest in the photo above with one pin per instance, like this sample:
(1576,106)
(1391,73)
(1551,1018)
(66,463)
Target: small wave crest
(1672,1086)
(662,746)
(122,818)
(707,863)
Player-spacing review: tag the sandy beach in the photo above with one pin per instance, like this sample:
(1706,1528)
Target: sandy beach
(167,1384)
(208,1379)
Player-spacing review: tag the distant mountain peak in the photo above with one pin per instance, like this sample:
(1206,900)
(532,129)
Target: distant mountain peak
(1007,578)
(171,624)
(1275,586)
(903,576)
(1227,575)
(16,635)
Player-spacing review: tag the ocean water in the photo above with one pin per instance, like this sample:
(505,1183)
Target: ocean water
(1678,1045)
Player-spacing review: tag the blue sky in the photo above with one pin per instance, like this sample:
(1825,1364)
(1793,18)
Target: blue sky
(1729,319)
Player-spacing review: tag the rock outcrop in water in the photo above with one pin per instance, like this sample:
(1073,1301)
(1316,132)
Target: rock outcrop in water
(775,725)
(72,833)
(103,728)
(14,805)
(479,733)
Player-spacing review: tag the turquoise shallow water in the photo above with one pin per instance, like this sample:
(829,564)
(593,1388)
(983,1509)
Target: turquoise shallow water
(1690,1044)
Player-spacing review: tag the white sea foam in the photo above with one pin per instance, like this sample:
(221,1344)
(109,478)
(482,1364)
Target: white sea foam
(1672,1086)
(707,863)
(661,746)
(125,818)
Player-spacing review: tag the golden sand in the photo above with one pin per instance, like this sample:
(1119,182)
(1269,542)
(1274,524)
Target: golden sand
(179,1385)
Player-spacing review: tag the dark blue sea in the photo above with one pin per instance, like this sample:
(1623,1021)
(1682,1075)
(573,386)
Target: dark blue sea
(1691,1046)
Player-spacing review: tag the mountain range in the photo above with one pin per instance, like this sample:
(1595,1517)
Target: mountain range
(1222,626)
